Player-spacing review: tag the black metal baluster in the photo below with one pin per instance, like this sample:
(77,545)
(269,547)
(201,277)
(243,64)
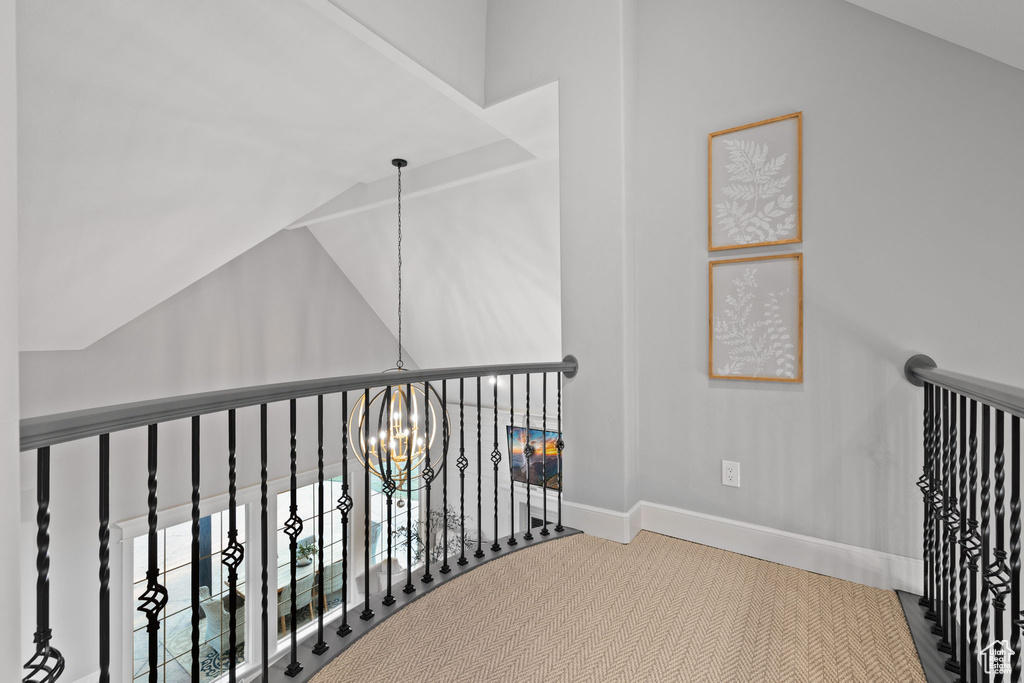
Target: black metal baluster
(972,544)
(389,491)
(196,555)
(410,451)
(445,567)
(479,473)
(951,519)
(986,542)
(428,477)
(233,553)
(935,499)
(462,464)
(528,453)
(544,455)
(105,558)
(345,507)
(999,572)
(264,554)
(964,664)
(940,627)
(367,613)
(495,460)
(320,647)
(293,527)
(1015,476)
(924,483)
(153,600)
(47,663)
(511,479)
(559,445)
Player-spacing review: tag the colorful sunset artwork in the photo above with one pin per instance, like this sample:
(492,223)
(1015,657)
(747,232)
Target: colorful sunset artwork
(538,473)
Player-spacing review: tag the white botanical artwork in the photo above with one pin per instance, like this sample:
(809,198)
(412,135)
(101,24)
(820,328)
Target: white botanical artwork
(754,195)
(755,318)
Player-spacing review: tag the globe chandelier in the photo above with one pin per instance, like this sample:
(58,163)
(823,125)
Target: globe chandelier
(394,434)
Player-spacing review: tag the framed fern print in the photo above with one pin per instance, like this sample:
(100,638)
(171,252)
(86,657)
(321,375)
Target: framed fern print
(755,319)
(755,184)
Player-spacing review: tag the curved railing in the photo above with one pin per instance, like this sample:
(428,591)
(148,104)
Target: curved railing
(972,550)
(413,411)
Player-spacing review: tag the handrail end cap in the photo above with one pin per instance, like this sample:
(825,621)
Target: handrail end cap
(571,359)
(913,363)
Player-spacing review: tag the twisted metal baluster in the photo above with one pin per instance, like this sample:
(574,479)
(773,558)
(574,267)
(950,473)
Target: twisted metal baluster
(934,505)
(153,600)
(264,551)
(445,427)
(528,453)
(544,462)
(479,473)
(986,544)
(344,507)
(972,543)
(389,491)
(233,553)
(320,647)
(462,464)
(957,661)
(47,663)
(105,562)
(559,445)
(293,527)
(951,520)
(196,553)
(409,587)
(367,613)
(428,477)
(1015,478)
(924,483)
(999,572)
(511,479)
(495,460)
(941,626)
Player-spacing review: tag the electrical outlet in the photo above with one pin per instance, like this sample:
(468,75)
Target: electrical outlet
(730,473)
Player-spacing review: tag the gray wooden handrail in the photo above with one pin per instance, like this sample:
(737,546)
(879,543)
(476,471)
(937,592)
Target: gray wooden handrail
(47,430)
(920,369)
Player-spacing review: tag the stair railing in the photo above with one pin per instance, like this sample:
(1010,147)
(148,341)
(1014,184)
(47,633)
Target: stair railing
(971,547)
(437,389)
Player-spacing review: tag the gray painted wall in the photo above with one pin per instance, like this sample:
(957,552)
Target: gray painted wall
(912,224)
(10,587)
(281,311)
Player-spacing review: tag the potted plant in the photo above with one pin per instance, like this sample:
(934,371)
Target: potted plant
(436,544)
(304,552)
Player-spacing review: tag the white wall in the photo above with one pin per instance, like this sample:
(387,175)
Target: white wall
(10,494)
(282,311)
(444,36)
(912,177)
(580,44)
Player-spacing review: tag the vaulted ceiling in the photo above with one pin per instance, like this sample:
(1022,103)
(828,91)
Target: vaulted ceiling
(994,28)
(159,140)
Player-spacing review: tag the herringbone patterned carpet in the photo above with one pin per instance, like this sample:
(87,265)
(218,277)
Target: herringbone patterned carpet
(658,609)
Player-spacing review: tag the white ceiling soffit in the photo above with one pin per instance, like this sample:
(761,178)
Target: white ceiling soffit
(994,28)
(159,140)
(480,271)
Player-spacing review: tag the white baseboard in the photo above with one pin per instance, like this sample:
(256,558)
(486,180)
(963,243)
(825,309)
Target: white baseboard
(620,527)
(840,560)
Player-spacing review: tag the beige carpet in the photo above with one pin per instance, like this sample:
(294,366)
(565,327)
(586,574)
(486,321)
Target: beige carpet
(658,609)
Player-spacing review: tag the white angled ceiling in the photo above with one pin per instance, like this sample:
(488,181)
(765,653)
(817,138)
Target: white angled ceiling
(158,140)
(994,28)
(481,273)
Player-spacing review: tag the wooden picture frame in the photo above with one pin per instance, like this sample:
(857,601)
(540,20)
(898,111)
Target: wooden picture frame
(752,323)
(746,212)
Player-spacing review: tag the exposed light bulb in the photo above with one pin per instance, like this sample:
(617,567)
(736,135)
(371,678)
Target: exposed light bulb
(419,441)
(373,441)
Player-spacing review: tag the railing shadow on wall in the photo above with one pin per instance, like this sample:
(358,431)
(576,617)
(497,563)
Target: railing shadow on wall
(400,432)
(971,546)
